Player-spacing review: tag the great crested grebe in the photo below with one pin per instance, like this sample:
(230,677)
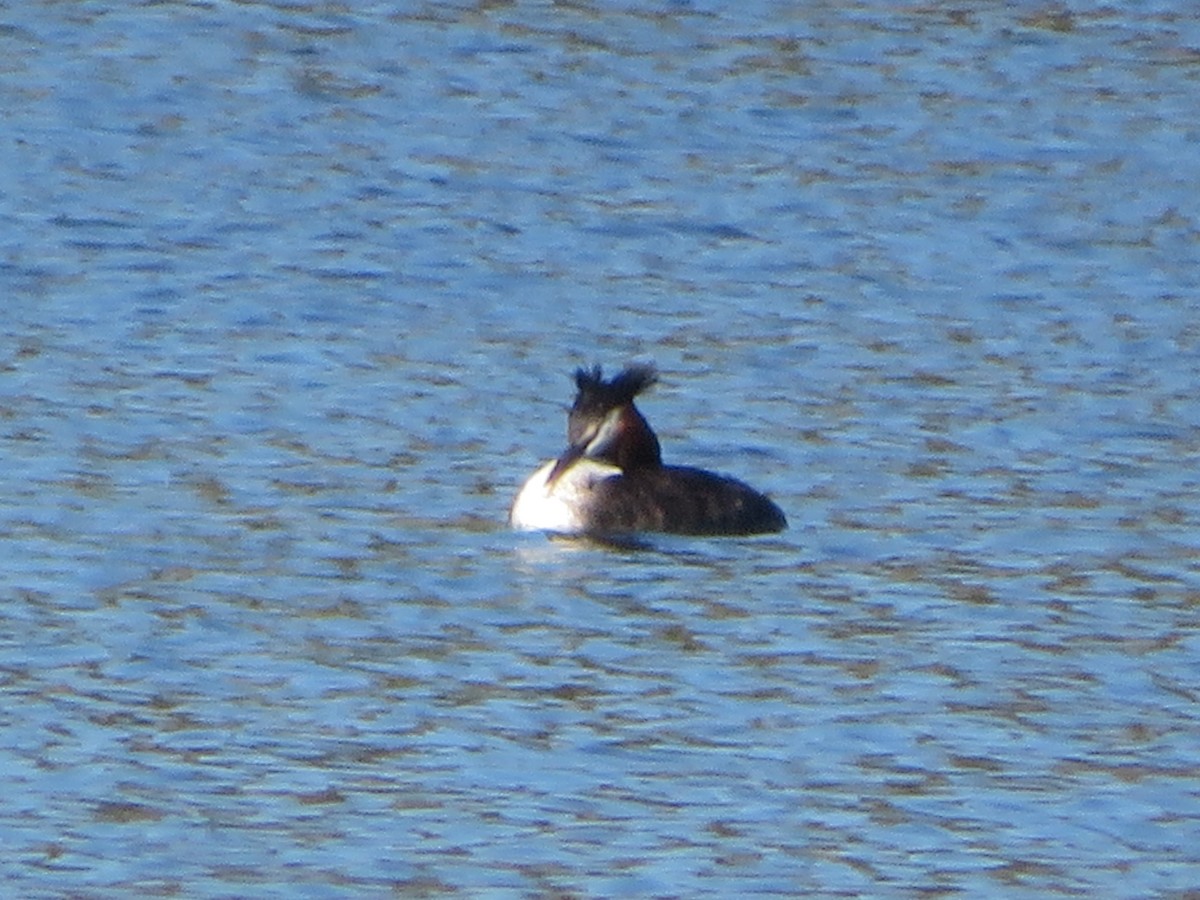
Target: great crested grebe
(611,480)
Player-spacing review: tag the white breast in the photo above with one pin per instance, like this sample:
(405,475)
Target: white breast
(562,508)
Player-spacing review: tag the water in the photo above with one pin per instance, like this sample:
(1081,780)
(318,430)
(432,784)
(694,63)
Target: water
(291,298)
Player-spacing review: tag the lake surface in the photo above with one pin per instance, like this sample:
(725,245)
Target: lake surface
(291,295)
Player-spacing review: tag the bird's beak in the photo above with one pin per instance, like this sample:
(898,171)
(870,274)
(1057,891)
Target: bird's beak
(570,456)
(596,437)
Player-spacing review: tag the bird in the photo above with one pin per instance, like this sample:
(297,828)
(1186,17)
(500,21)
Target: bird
(611,479)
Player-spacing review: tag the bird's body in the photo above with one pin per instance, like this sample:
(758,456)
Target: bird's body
(611,480)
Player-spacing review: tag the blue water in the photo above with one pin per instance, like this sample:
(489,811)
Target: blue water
(291,297)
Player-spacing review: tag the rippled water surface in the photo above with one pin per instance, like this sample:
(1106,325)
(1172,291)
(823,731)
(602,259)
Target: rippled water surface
(291,295)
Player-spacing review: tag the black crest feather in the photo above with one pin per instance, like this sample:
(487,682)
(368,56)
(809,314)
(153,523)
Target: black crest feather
(596,394)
